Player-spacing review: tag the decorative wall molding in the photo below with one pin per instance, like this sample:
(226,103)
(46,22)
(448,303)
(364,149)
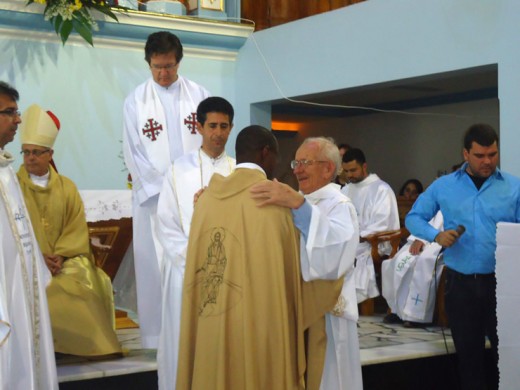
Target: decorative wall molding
(214,38)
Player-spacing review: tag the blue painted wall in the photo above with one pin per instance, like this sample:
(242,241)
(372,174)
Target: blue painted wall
(363,44)
(86,87)
(378,41)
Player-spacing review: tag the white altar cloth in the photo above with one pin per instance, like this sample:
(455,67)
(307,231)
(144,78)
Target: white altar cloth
(102,205)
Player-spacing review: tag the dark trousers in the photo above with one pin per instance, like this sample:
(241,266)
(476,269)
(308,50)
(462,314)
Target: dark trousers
(471,309)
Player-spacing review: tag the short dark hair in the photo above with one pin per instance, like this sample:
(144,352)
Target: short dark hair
(480,133)
(163,42)
(253,139)
(354,155)
(344,146)
(214,104)
(6,89)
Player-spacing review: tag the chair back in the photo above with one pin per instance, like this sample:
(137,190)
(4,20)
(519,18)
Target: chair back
(393,237)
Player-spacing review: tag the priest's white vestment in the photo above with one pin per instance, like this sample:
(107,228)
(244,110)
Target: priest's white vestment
(186,176)
(159,126)
(26,352)
(376,206)
(328,252)
(409,284)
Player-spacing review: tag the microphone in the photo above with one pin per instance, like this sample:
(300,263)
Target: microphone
(460,230)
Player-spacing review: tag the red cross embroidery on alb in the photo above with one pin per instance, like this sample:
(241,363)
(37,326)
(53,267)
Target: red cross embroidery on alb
(191,122)
(152,129)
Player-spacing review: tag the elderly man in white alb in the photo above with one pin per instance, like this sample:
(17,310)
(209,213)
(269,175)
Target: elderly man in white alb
(188,174)
(376,206)
(329,237)
(26,348)
(159,126)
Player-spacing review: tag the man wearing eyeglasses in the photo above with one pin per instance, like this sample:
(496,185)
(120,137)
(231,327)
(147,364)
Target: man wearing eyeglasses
(80,296)
(244,306)
(376,206)
(328,228)
(159,126)
(26,347)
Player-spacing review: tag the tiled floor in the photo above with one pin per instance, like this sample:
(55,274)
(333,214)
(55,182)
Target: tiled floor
(379,343)
(383,343)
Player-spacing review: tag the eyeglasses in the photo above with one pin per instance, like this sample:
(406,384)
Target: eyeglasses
(163,67)
(11,112)
(304,163)
(35,152)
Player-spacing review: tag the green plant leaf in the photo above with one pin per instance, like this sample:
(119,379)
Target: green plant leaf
(65,30)
(106,10)
(84,30)
(57,21)
(82,21)
(82,16)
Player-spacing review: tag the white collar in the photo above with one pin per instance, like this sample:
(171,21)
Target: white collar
(328,191)
(250,165)
(170,87)
(6,158)
(371,178)
(206,156)
(40,181)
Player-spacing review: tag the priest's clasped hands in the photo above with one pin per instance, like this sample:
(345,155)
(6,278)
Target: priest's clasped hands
(54,263)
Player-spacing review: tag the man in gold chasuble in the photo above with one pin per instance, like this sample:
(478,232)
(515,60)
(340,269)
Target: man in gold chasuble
(245,307)
(80,294)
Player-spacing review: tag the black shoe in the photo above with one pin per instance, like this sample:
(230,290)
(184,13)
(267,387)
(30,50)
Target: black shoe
(411,324)
(392,318)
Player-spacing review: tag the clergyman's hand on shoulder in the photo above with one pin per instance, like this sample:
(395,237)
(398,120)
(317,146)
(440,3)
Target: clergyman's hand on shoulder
(197,195)
(274,192)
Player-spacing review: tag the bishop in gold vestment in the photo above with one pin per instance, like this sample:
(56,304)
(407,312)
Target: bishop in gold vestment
(80,294)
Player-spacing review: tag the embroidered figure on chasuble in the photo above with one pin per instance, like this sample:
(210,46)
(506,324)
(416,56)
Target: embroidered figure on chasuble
(245,307)
(184,179)
(242,300)
(212,273)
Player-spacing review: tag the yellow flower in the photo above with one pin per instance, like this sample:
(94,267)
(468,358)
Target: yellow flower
(41,1)
(76,6)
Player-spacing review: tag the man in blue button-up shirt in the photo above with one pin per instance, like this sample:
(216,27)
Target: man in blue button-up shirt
(477,196)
